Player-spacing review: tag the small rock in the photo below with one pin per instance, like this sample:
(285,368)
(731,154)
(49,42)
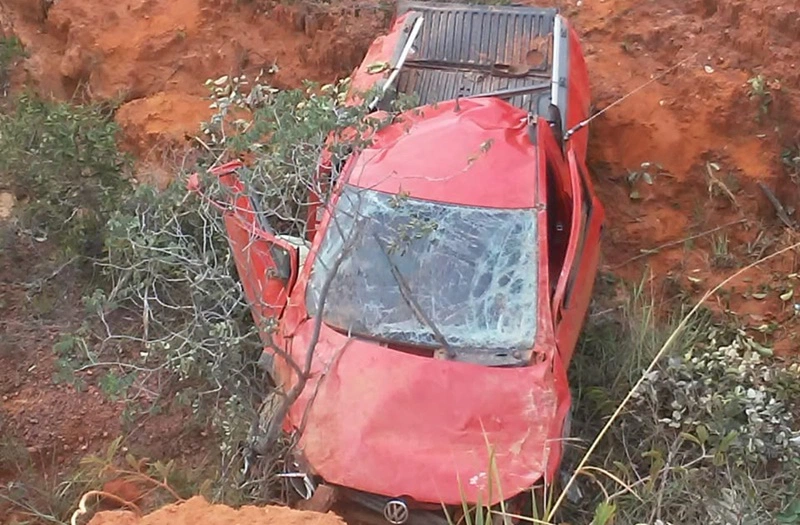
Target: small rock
(708,69)
(7,201)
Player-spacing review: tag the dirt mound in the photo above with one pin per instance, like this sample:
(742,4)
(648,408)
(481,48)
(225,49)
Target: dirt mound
(197,511)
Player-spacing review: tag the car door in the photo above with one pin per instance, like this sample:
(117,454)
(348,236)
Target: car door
(574,287)
(267,265)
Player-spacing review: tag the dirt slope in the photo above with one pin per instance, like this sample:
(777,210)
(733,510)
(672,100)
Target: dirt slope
(699,114)
(197,511)
(154,56)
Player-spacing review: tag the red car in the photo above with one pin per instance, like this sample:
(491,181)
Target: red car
(439,372)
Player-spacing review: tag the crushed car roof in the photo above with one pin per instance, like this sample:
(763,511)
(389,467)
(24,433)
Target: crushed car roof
(473,152)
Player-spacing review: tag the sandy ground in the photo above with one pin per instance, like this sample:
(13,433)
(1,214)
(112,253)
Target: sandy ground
(198,511)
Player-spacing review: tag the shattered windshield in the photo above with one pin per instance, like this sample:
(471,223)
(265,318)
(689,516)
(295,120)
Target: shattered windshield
(415,271)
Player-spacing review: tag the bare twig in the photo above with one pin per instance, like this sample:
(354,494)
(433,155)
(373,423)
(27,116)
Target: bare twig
(626,488)
(645,479)
(283,354)
(655,514)
(301,428)
(779,209)
(713,182)
(28,509)
(412,303)
(274,427)
(149,479)
(651,251)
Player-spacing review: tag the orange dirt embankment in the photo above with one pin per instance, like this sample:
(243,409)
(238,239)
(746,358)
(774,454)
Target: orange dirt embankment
(154,56)
(197,511)
(701,113)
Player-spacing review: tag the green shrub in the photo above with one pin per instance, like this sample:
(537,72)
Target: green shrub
(11,50)
(167,261)
(713,435)
(63,164)
(723,391)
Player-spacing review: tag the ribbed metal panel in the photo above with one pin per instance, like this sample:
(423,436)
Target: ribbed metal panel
(460,45)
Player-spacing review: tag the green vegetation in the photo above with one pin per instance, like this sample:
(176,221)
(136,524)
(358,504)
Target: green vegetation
(791,161)
(162,257)
(760,90)
(721,257)
(711,436)
(11,50)
(62,162)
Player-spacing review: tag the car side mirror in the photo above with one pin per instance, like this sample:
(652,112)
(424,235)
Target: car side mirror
(302,248)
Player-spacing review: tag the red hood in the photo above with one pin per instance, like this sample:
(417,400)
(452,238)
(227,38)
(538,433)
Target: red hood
(395,424)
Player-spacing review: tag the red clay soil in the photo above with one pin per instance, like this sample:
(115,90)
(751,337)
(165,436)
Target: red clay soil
(155,56)
(698,114)
(197,511)
(46,426)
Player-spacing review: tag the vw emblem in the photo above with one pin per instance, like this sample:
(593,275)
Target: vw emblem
(396,512)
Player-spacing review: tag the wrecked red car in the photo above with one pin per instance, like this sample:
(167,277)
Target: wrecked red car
(439,372)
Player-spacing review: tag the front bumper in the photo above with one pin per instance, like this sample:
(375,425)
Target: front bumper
(373,509)
(367,508)
(381,510)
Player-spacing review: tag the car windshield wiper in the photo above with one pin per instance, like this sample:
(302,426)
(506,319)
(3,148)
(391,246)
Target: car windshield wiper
(405,291)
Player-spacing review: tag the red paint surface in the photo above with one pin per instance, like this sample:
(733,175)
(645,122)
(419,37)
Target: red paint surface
(578,95)
(397,424)
(381,51)
(474,152)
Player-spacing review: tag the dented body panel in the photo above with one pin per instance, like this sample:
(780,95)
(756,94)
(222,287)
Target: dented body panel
(410,157)
(396,424)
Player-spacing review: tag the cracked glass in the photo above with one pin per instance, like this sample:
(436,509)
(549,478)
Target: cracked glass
(408,264)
